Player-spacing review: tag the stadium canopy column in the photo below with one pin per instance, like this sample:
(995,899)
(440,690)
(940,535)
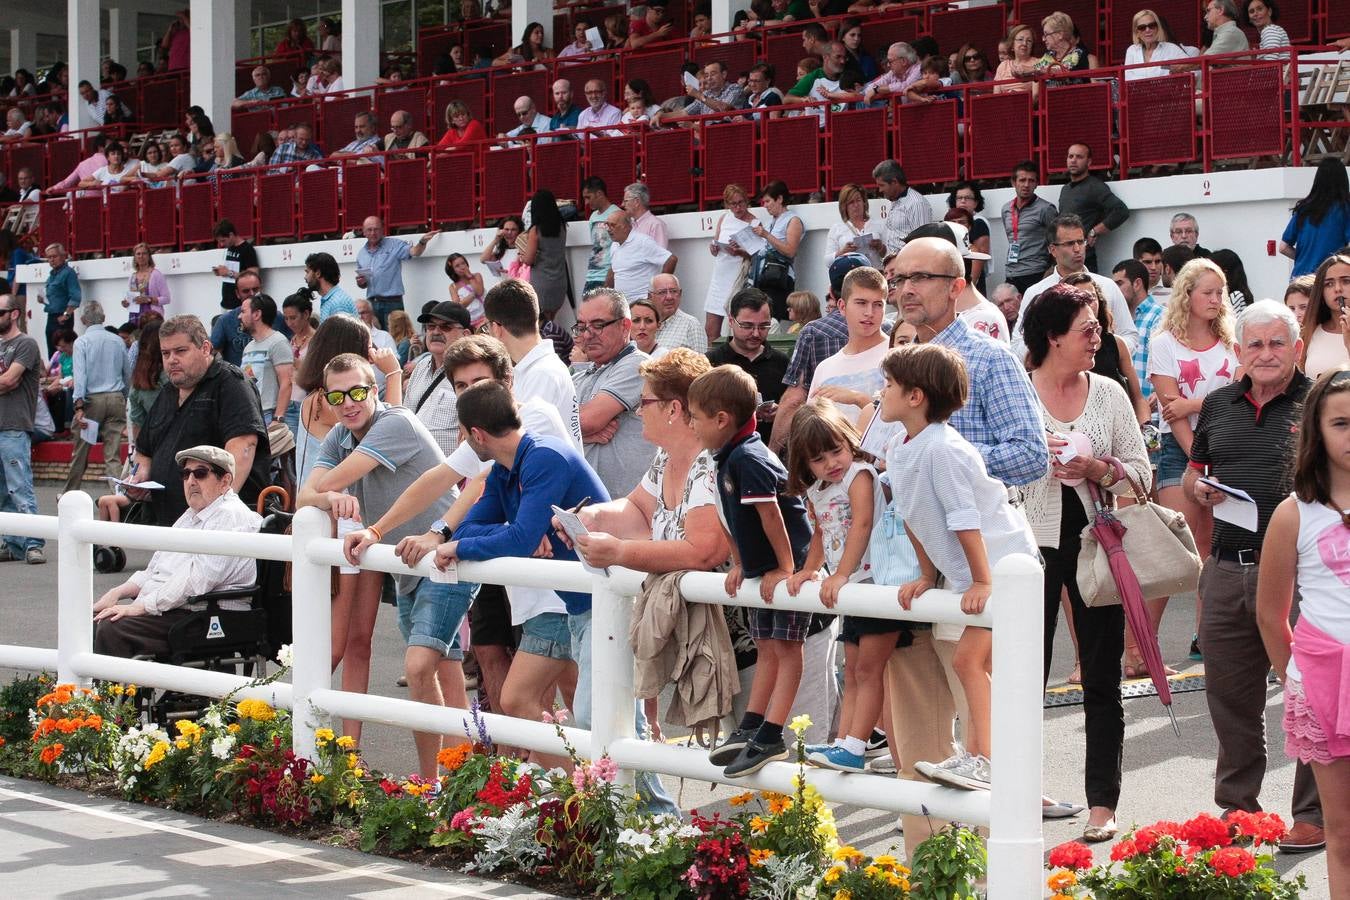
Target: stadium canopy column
(360,45)
(82,47)
(22,49)
(212,59)
(122,37)
(523,12)
(723,13)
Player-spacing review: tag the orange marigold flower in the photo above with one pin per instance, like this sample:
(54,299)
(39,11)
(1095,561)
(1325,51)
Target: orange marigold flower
(760,857)
(49,754)
(451,758)
(779,804)
(741,799)
(1061,880)
(95,722)
(66,726)
(758,825)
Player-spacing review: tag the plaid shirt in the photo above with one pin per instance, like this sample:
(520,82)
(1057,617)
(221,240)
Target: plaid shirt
(818,341)
(1147,316)
(1002,415)
(682,330)
(289,152)
(438,412)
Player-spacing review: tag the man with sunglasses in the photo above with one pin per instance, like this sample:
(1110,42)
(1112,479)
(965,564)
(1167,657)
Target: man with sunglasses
(159,594)
(207,401)
(749,348)
(430,391)
(20,368)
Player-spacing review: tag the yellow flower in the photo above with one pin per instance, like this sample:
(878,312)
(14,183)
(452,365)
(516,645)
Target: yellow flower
(760,857)
(779,804)
(742,799)
(358,772)
(352,760)
(758,825)
(323,736)
(157,753)
(233,728)
(843,895)
(258,710)
(115,690)
(799,724)
(885,861)
(346,742)
(182,743)
(871,871)
(316,778)
(848,853)
(131,690)
(1062,879)
(832,874)
(1061,897)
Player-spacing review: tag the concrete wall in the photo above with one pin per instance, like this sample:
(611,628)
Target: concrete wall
(1243,211)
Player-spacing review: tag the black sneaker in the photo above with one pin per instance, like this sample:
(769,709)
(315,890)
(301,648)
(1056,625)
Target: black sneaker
(755,756)
(1195,649)
(876,744)
(725,753)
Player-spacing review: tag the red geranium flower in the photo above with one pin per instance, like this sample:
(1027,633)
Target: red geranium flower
(1126,849)
(1232,861)
(1071,855)
(1206,832)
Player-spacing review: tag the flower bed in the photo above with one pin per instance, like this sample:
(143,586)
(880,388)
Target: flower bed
(574,830)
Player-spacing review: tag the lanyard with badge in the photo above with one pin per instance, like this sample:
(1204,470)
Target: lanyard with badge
(1014,248)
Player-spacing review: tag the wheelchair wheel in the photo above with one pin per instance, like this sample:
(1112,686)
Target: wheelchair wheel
(105,560)
(120,562)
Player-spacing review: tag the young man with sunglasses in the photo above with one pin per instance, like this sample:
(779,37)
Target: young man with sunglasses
(159,594)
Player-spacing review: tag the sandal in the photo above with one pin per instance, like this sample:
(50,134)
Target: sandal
(1096,834)
(1076,676)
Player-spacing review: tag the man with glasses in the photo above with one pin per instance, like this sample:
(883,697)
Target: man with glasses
(599,111)
(1185,232)
(207,401)
(1069,248)
(749,348)
(634,258)
(1087,197)
(1221,17)
(678,328)
(429,390)
(21,365)
(902,71)
(159,594)
(528,116)
(402,134)
(609,390)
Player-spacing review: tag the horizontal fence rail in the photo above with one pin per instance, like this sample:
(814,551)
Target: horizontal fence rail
(1011,809)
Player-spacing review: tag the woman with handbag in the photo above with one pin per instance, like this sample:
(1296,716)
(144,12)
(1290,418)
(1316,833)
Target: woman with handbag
(1093,416)
(774,272)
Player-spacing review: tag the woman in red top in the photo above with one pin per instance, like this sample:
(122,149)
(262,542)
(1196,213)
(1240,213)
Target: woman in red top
(461,128)
(296,40)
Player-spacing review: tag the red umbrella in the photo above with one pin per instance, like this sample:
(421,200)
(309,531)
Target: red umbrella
(1110,534)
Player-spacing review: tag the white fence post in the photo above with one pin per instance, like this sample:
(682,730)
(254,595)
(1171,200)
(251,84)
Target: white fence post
(613,706)
(311,628)
(1015,839)
(74,586)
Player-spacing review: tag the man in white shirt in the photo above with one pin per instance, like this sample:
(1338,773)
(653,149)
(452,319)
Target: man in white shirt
(17,128)
(1068,247)
(159,594)
(678,328)
(382,339)
(634,258)
(529,117)
(599,110)
(909,209)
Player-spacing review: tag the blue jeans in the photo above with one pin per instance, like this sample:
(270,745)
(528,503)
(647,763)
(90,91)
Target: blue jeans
(430,616)
(383,307)
(16,486)
(292,418)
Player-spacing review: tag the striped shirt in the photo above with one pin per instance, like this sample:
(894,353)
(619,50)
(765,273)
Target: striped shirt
(1147,318)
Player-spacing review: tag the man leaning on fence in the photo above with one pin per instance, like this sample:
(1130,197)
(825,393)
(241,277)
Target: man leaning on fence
(159,595)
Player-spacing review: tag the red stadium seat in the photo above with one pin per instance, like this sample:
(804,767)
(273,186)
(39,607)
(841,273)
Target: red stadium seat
(124,214)
(503,192)
(337,121)
(507,86)
(1078,114)
(247,125)
(411,99)
(613,160)
(473,91)
(407,192)
(243,78)
(999,134)
(158,101)
(234,201)
(159,217)
(659,68)
(557,168)
(301,112)
(782,50)
(54,222)
(982,26)
(880,32)
(452,187)
(495,36)
(1338,20)
(276,205)
(360,193)
(62,157)
(30,156)
(728,158)
(1244,112)
(86,223)
(430,46)
(792,153)
(1158,121)
(855,143)
(196,206)
(737,56)
(562,29)
(319,201)
(925,141)
(669,172)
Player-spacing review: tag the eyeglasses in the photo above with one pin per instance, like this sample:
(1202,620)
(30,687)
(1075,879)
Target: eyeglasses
(200,473)
(444,326)
(1081,242)
(753,326)
(1090,330)
(644,402)
(972,57)
(359,393)
(1146,26)
(918,279)
(581,328)
(668,292)
(1049,34)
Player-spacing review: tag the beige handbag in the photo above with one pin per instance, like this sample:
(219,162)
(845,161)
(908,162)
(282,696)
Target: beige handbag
(1158,545)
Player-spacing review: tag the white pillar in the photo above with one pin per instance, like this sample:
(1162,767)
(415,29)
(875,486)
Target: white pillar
(312,645)
(723,13)
(82,33)
(122,37)
(22,50)
(212,59)
(523,12)
(360,43)
(74,580)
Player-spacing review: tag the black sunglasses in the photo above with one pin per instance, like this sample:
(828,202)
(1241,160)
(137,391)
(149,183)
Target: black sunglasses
(198,472)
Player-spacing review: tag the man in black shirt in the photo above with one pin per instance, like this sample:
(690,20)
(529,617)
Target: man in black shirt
(207,401)
(240,257)
(749,348)
(1245,438)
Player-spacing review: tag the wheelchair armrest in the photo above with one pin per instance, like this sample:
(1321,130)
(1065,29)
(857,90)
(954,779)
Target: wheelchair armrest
(212,598)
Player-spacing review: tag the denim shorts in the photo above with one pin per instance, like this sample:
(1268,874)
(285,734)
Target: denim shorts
(437,609)
(1172,462)
(546,635)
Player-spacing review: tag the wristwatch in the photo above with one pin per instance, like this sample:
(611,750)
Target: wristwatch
(1109,478)
(444,529)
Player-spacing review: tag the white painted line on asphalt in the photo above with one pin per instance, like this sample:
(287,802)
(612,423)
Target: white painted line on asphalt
(377,871)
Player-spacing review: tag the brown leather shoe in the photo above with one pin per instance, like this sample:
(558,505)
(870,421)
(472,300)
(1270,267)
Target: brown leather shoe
(1304,837)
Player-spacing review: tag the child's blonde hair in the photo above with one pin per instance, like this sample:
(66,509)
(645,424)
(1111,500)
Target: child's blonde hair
(805,304)
(1178,309)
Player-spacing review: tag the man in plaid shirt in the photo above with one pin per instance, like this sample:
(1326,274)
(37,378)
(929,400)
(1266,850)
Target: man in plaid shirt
(429,392)
(1131,277)
(301,149)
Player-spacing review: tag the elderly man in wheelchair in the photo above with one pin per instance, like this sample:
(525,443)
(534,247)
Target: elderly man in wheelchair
(161,593)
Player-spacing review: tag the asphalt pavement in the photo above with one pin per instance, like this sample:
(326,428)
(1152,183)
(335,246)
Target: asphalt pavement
(1165,777)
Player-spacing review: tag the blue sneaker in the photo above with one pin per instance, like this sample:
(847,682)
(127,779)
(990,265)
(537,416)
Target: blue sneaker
(810,749)
(839,759)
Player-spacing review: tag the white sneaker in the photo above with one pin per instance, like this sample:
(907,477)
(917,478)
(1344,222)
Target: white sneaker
(881,765)
(969,772)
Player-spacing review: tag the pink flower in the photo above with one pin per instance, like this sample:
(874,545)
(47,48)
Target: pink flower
(555,718)
(605,769)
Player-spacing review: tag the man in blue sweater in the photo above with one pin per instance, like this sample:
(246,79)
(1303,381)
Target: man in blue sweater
(533,472)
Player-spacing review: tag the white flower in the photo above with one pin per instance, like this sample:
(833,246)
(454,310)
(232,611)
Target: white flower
(637,839)
(285,656)
(688,831)
(555,773)
(221,746)
(212,719)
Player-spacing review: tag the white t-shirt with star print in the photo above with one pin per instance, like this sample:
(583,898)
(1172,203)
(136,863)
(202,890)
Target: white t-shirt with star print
(1198,372)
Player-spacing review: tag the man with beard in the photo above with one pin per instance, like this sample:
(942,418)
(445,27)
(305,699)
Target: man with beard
(429,390)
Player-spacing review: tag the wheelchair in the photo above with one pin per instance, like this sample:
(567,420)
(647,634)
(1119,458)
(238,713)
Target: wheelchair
(240,642)
(114,559)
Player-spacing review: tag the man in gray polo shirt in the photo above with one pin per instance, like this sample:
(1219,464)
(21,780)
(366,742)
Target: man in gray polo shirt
(267,360)
(609,391)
